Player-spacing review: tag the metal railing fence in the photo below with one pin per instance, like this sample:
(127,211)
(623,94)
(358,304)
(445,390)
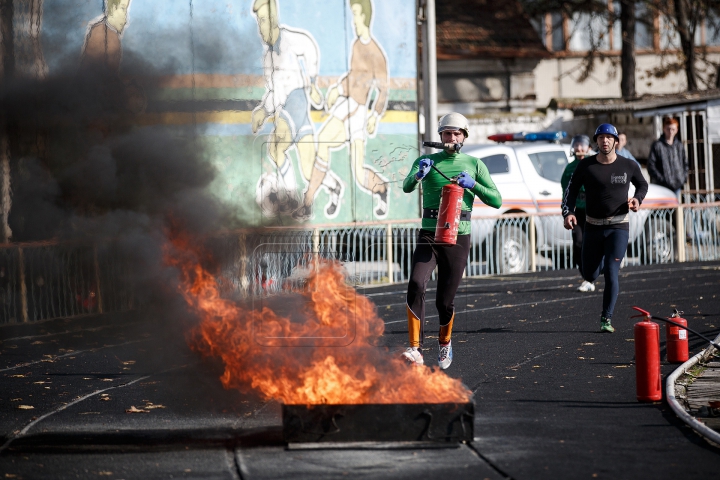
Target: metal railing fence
(45,280)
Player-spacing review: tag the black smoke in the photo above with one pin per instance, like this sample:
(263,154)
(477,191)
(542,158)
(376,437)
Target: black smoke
(88,177)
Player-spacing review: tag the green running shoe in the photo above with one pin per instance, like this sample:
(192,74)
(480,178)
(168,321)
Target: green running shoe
(605,325)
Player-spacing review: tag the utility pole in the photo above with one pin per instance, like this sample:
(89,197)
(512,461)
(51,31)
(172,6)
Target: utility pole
(7,63)
(429,70)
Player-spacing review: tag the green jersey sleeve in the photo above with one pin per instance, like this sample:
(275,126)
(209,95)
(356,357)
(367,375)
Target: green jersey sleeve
(410,183)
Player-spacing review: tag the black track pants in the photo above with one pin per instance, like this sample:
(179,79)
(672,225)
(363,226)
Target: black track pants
(603,252)
(577,236)
(450,260)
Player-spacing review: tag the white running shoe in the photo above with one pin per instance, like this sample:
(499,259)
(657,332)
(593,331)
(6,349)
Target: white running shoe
(413,356)
(445,355)
(586,287)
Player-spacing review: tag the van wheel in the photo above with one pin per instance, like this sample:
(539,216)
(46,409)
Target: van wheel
(659,240)
(511,249)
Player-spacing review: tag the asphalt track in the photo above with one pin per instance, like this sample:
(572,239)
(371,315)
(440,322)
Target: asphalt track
(554,397)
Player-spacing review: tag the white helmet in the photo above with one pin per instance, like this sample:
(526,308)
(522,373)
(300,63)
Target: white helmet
(454,121)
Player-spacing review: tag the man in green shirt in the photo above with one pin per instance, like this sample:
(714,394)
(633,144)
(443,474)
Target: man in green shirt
(472,175)
(580,146)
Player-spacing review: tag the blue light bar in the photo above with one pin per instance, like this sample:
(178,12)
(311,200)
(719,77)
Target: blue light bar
(528,137)
(545,136)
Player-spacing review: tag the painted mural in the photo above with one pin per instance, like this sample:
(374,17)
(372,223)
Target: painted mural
(307,108)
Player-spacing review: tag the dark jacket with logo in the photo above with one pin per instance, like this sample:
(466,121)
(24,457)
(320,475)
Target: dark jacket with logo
(668,164)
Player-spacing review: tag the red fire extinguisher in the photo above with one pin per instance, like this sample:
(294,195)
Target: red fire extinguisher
(677,339)
(448,220)
(647,358)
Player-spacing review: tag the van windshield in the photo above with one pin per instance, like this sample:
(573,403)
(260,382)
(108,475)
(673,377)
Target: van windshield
(549,165)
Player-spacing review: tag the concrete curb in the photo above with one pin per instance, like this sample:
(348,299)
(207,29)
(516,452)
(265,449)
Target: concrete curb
(699,427)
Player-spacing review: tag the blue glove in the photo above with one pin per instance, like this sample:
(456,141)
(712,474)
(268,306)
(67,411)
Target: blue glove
(423,168)
(465,180)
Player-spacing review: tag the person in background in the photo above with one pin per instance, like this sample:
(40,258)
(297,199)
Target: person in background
(621,150)
(668,162)
(580,146)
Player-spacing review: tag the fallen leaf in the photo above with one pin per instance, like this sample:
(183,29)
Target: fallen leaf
(129,362)
(39,383)
(132,409)
(25,407)
(37,342)
(589,343)
(151,406)
(509,377)
(15,399)
(106,379)
(621,366)
(17,375)
(104,398)
(105,473)
(536,366)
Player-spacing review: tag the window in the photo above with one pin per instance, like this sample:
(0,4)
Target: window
(712,29)
(549,165)
(669,37)
(583,31)
(558,36)
(643,27)
(497,163)
(617,28)
(588,31)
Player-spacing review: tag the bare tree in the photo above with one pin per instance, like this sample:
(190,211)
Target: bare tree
(685,18)
(686,23)
(627,52)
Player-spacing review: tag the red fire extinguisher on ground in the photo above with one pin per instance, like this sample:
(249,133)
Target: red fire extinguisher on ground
(647,358)
(677,339)
(448,221)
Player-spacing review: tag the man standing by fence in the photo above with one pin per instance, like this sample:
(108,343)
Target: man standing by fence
(668,162)
(606,178)
(473,176)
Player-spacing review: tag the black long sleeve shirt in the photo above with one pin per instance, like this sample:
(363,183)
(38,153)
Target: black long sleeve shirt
(606,187)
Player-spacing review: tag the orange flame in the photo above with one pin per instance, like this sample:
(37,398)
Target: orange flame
(327,357)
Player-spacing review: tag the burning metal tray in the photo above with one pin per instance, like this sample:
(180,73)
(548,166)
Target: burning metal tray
(408,422)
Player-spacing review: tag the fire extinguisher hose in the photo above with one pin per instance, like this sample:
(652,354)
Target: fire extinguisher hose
(441,173)
(667,320)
